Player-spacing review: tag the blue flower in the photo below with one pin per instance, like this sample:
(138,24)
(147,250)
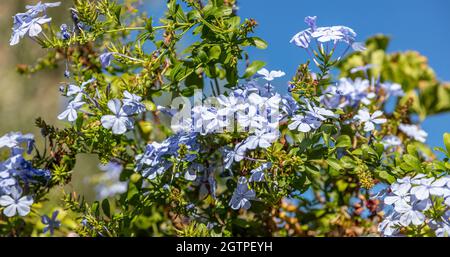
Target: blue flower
(311,21)
(391,142)
(304,123)
(192,171)
(235,155)
(302,38)
(106,59)
(258,173)
(413,131)
(326,34)
(369,120)
(154,161)
(319,113)
(14,141)
(119,122)
(392,89)
(71,112)
(132,104)
(52,223)
(261,139)
(15,203)
(270,75)
(32,27)
(41,7)
(65,32)
(242,195)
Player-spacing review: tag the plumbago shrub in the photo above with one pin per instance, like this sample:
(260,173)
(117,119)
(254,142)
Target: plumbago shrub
(197,141)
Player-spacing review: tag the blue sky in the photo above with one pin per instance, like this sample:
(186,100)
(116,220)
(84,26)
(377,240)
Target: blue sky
(412,25)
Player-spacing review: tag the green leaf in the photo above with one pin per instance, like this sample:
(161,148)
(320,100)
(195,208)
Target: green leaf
(344,141)
(386,176)
(253,68)
(447,142)
(412,161)
(334,163)
(214,52)
(96,208)
(106,208)
(258,42)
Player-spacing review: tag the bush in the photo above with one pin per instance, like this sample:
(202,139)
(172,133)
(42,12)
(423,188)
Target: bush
(230,156)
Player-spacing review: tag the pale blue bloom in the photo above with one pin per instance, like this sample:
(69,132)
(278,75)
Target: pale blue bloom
(192,171)
(326,34)
(71,112)
(348,93)
(242,195)
(391,142)
(28,22)
(132,103)
(119,122)
(51,223)
(369,120)
(15,140)
(410,215)
(429,186)
(270,75)
(15,203)
(413,131)
(235,155)
(390,224)
(441,228)
(33,28)
(302,39)
(311,21)
(392,89)
(206,119)
(41,7)
(78,91)
(399,196)
(319,113)
(250,120)
(65,34)
(261,138)
(304,123)
(106,59)
(258,174)
(289,106)
(154,161)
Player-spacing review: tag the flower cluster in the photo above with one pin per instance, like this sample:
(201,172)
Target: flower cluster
(30,22)
(413,202)
(325,35)
(17,173)
(238,155)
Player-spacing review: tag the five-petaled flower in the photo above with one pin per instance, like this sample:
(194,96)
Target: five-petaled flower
(15,203)
(51,223)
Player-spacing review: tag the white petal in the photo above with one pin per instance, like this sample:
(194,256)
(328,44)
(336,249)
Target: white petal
(108,121)
(369,126)
(421,192)
(23,209)
(379,121)
(6,200)
(119,127)
(114,105)
(304,127)
(35,29)
(10,211)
